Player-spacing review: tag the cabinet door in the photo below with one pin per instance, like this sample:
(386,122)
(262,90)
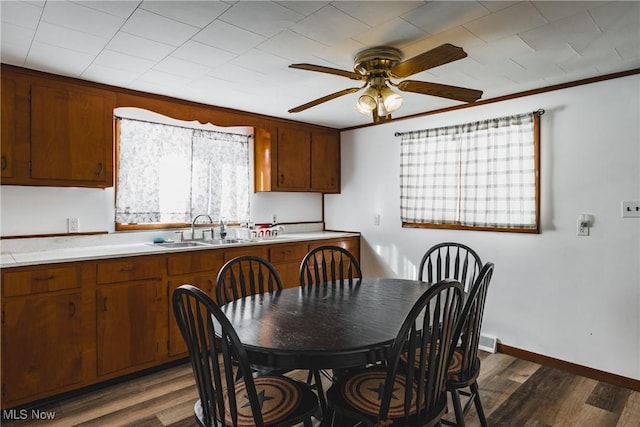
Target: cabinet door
(72,134)
(8,118)
(325,162)
(42,344)
(294,159)
(128,321)
(207,283)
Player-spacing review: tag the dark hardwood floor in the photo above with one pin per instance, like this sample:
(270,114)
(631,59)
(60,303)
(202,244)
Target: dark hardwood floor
(514,393)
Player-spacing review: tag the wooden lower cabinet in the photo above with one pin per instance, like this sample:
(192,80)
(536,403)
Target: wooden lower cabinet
(198,268)
(42,343)
(128,319)
(71,325)
(286,259)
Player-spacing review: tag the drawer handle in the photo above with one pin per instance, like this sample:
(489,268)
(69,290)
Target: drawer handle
(104,304)
(128,269)
(44,279)
(4,162)
(282,178)
(72,306)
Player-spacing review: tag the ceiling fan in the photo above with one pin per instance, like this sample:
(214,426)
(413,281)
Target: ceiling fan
(376,66)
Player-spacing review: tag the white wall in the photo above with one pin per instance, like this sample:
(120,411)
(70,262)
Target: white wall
(568,297)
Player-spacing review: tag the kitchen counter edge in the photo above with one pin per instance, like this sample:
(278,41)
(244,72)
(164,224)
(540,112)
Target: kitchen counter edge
(87,253)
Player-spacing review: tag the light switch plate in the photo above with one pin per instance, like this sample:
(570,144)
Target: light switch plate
(631,209)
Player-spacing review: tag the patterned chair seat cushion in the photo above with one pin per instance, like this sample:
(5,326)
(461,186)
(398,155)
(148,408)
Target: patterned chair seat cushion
(279,397)
(363,391)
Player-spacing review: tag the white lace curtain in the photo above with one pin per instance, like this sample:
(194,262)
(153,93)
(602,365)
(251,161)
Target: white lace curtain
(480,174)
(169,174)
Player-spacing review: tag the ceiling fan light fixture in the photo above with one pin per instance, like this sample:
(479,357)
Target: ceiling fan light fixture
(367,102)
(391,100)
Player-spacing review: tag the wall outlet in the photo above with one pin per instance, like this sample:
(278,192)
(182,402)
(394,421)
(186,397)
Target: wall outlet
(73,225)
(376,219)
(583,230)
(631,209)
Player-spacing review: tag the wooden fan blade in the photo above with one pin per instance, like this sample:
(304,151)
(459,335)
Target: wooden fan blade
(443,91)
(329,70)
(324,99)
(440,55)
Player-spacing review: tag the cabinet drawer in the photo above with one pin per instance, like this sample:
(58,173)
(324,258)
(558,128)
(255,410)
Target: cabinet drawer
(128,269)
(194,262)
(282,253)
(260,251)
(41,280)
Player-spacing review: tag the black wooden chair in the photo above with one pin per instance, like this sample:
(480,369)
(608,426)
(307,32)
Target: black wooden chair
(450,260)
(465,363)
(414,396)
(244,276)
(224,401)
(327,265)
(330,265)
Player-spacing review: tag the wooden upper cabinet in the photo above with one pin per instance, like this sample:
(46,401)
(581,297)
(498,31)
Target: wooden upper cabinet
(8,117)
(297,158)
(71,134)
(294,159)
(325,162)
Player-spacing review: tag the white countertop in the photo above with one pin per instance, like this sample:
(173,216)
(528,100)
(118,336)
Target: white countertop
(52,254)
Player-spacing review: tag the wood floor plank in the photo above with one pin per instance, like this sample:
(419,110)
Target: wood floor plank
(536,400)
(588,415)
(608,397)
(178,413)
(630,416)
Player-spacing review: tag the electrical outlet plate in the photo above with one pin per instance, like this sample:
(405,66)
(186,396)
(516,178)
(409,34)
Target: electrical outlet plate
(73,225)
(582,229)
(631,209)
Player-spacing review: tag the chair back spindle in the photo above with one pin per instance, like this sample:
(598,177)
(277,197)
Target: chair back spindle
(330,265)
(450,260)
(244,276)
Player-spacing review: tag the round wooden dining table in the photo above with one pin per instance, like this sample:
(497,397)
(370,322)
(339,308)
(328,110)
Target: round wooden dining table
(324,326)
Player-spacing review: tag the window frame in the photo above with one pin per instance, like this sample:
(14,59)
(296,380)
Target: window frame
(155,226)
(535,230)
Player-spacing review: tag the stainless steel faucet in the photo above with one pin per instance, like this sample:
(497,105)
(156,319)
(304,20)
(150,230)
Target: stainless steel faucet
(193,226)
(223,230)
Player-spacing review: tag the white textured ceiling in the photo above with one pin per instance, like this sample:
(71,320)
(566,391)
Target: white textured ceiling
(236,53)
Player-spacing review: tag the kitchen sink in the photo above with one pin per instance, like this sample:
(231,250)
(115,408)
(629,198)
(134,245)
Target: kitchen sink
(178,244)
(216,242)
(200,243)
